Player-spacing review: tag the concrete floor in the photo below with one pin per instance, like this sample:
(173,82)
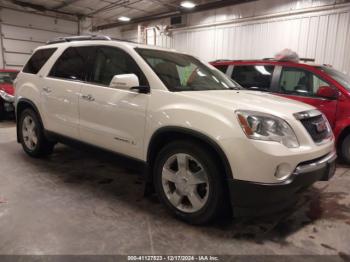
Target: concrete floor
(80,203)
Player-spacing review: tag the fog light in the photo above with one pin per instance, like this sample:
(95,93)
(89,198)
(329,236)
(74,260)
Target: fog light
(283,171)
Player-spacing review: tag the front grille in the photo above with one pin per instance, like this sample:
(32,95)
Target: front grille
(317,127)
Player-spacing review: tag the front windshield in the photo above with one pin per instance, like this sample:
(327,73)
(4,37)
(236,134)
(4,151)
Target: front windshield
(343,79)
(180,72)
(7,77)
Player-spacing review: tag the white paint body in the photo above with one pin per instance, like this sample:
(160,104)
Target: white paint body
(124,121)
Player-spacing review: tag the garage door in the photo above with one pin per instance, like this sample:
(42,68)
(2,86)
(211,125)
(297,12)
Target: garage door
(22,32)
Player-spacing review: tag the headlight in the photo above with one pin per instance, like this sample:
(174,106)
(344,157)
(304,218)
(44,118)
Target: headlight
(6,96)
(261,126)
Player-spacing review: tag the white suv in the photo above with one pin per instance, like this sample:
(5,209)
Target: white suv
(208,144)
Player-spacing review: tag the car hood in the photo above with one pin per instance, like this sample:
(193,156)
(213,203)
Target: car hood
(8,88)
(250,100)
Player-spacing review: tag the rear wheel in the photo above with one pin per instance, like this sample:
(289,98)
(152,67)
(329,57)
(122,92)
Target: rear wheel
(32,135)
(189,182)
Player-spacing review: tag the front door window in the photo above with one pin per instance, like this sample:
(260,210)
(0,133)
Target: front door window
(295,81)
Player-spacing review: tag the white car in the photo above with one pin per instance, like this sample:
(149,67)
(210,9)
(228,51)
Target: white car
(208,144)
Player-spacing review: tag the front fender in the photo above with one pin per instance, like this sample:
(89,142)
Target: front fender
(169,110)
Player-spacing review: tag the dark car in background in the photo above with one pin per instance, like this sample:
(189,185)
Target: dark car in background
(7,92)
(321,86)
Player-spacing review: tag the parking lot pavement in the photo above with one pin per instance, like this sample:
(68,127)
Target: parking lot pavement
(84,203)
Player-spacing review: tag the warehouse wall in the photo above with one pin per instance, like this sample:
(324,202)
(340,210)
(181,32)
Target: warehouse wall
(320,34)
(86,29)
(317,29)
(22,32)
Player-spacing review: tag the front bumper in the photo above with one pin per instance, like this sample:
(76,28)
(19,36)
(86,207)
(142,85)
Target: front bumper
(257,199)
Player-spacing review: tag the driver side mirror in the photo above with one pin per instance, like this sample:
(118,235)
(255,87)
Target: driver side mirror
(328,92)
(129,82)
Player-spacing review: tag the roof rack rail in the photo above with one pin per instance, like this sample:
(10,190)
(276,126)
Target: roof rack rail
(287,60)
(221,60)
(86,38)
(78,38)
(307,59)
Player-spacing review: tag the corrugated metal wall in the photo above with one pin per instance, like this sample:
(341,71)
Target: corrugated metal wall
(324,36)
(22,32)
(317,29)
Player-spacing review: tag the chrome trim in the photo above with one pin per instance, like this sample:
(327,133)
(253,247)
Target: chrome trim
(321,163)
(7,97)
(330,135)
(307,114)
(89,98)
(47,90)
(313,113)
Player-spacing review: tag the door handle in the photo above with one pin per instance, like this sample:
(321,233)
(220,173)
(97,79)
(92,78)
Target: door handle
(47,90)
(88,98)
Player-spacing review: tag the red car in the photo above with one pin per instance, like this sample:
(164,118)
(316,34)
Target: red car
(7,91)
(318,85)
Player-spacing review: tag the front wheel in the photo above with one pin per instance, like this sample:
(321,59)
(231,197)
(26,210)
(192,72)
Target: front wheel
(345,149)
(31,135)
(189,182)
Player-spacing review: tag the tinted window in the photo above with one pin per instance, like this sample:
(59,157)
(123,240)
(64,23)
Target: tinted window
(38,60)
(110,61)
(222,68)
(297,81)
(73,63)
(180,72)
(253,76)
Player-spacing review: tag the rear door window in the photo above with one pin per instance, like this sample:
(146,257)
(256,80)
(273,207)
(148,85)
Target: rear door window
(111,61)
(38,60)
(257,77)
(73,64)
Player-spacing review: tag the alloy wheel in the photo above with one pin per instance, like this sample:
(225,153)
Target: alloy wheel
(29,133)
(185,183)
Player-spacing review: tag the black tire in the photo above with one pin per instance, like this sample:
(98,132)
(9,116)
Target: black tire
(345,150)
(43,147)
(216,204)
(2,110)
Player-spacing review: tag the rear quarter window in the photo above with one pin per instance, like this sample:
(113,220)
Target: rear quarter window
(38,60)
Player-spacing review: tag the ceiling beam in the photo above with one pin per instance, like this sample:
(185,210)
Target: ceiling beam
(65,3)
(108,7)
(177,11)
(42,8)
(169,5)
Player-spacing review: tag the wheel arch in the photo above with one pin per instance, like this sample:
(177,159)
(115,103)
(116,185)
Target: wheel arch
(167,134)
(342,135)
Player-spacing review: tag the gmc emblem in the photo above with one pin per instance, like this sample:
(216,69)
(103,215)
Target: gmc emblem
(320,126)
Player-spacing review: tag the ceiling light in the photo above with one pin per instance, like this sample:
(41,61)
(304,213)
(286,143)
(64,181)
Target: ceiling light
(124,19)
(188,4)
